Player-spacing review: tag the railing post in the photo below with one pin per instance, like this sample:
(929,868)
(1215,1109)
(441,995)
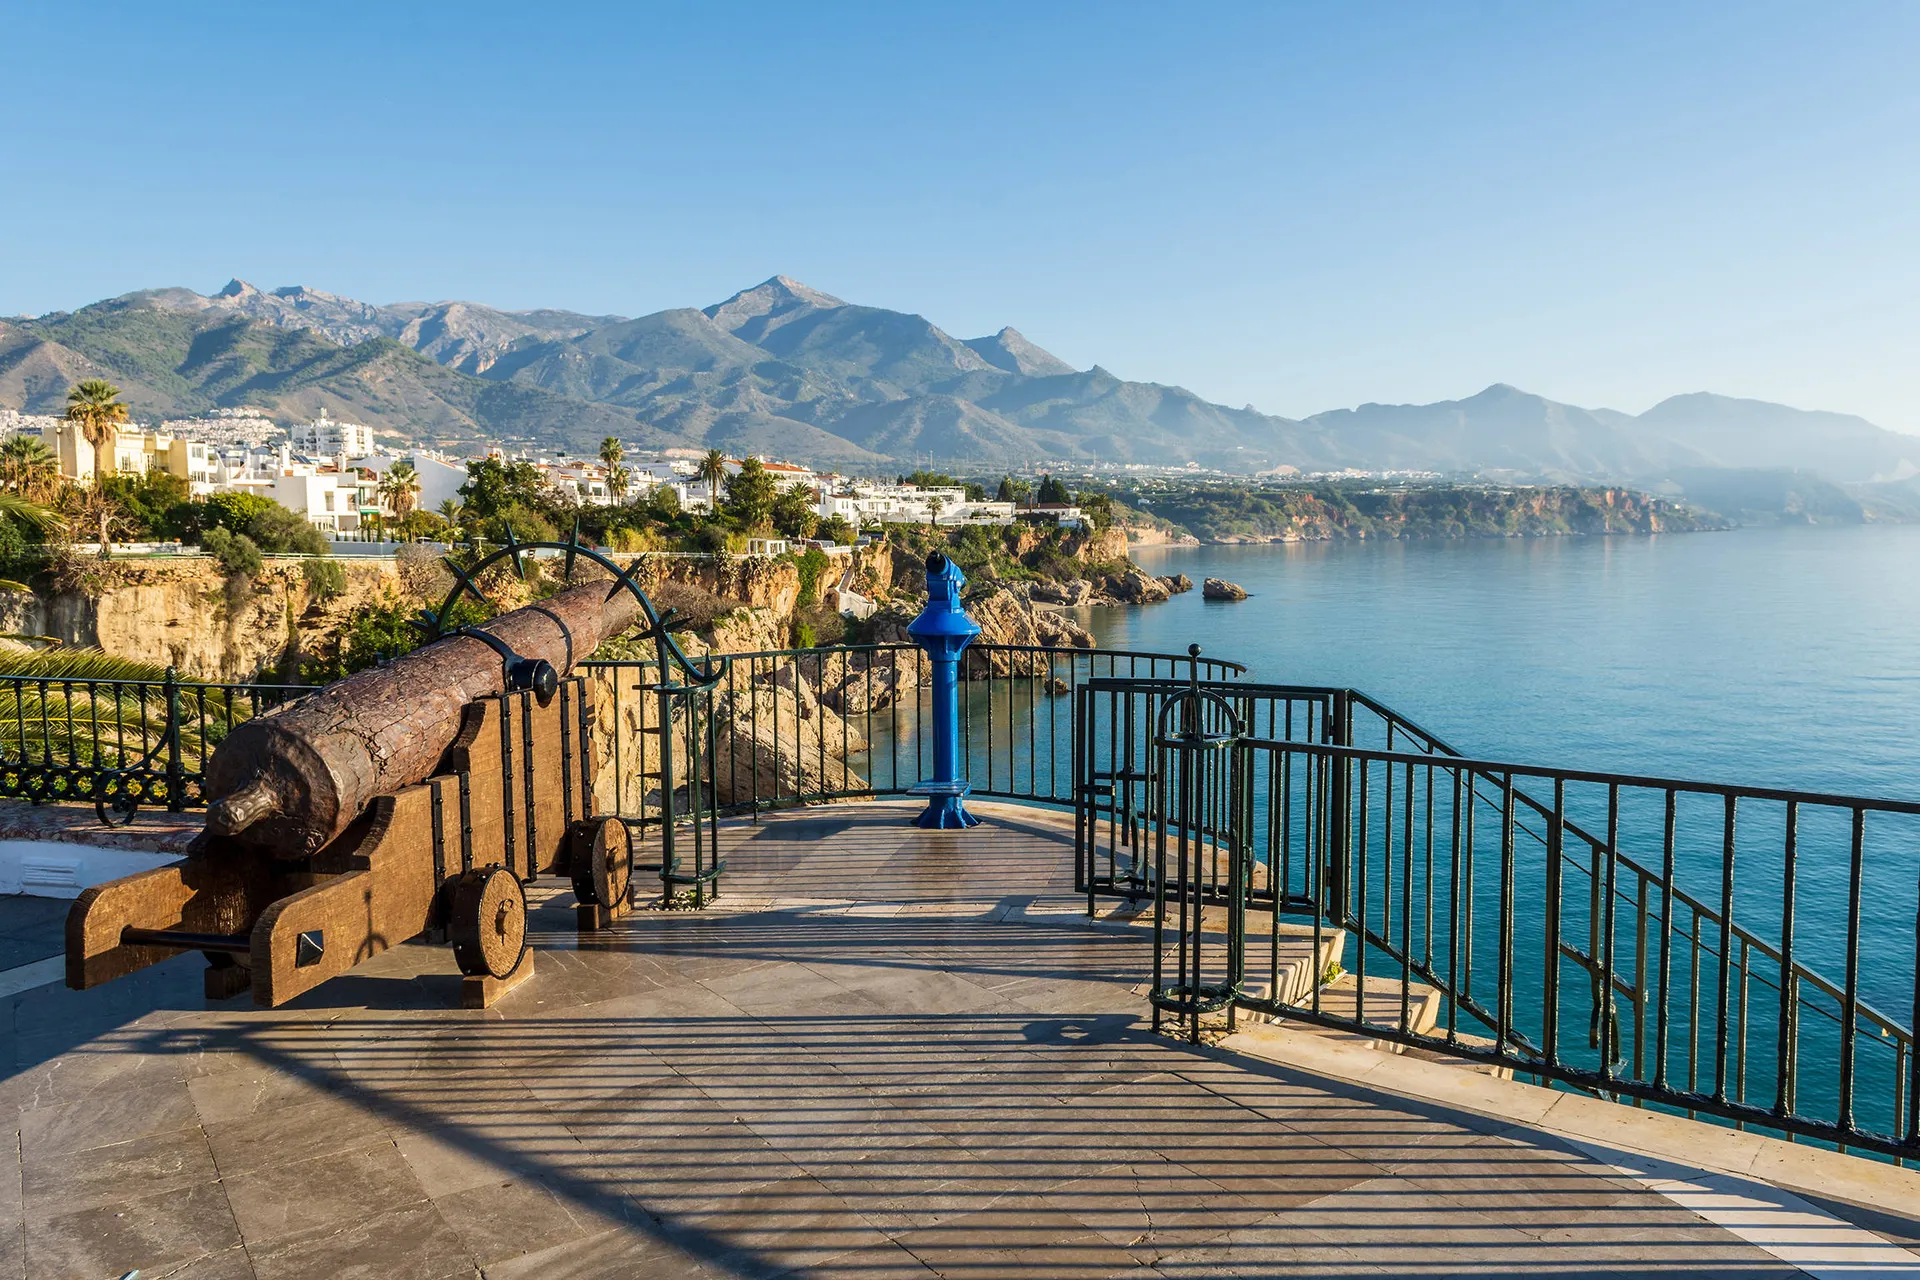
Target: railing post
(176,776)
(1339,733)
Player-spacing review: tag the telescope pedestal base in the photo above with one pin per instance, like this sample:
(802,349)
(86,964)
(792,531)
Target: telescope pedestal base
(946,808)
(479,991)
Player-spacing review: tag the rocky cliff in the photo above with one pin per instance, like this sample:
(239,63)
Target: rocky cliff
(185,613)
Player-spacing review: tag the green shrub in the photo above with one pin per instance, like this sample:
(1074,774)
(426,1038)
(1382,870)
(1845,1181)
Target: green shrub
(812,563)
(237,554)
(284,532)
(326,579)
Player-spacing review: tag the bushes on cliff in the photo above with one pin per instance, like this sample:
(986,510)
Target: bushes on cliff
(271,527)
(326,579)
(237,555)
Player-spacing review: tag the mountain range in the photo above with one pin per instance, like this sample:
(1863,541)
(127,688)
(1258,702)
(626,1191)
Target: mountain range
(787,370)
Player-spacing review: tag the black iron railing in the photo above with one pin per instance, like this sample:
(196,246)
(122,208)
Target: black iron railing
(1540,919)
(119,743)
(804,726)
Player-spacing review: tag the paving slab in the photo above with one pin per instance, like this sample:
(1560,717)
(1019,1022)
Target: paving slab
(887,1053)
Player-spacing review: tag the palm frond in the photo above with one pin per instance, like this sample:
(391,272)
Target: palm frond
(31,514)
(86,708)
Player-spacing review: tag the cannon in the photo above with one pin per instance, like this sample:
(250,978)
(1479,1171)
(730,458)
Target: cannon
(413,798)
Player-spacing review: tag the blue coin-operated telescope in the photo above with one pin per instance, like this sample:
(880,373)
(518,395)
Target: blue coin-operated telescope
(943,629)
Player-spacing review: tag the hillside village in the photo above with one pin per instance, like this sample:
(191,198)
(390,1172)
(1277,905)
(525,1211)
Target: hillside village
(335,474)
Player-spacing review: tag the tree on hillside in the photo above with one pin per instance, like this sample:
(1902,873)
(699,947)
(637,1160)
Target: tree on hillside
(1005,492)
(1098,507)
(713,470)
(1052,492)
(751,494)
(95,405)
(157,504)
(29,470)
(400,486)
(793,513)
(92,508)
(493,485)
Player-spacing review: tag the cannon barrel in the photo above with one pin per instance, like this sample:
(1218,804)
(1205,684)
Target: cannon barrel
(291,780)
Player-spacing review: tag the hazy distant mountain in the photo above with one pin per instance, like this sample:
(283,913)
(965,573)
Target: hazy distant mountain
(785,369)
(1501,429)
(1727,432)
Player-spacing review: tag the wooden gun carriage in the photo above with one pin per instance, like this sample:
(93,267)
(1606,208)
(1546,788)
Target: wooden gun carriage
(416,798)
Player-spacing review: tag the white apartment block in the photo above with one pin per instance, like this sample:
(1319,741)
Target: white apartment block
(326,437)
(440,477)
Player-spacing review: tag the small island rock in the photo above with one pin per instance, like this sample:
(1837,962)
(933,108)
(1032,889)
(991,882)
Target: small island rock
(1177,583)
(1135,587)
(1221,589)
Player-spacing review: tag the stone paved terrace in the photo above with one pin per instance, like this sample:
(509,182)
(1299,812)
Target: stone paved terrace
(888,1053)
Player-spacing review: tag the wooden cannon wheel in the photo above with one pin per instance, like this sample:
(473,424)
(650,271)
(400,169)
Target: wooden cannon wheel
(601,860)
(488,922)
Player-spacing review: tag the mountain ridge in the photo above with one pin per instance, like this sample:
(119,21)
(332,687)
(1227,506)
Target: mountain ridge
(782,367)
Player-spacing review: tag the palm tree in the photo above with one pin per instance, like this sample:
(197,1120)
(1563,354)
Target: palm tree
(400,486)
(618,480)
(713,470)
(29,469)
(95,406)
(611,451)
(933,508)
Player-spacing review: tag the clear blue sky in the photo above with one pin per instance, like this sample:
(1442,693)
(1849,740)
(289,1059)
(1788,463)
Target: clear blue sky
(1298,207)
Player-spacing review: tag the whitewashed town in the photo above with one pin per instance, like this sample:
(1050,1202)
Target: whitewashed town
(354,488)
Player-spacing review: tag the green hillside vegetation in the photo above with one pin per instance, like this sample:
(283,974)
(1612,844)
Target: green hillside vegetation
(1318,512)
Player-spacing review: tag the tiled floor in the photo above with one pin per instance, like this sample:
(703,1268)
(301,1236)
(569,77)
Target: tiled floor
(888,1053)
(31,928)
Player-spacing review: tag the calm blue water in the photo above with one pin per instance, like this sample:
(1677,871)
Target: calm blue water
(1767,656)
(1786,658)
(1781,657)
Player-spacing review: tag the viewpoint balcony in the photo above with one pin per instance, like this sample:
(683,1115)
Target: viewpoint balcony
(881,1052)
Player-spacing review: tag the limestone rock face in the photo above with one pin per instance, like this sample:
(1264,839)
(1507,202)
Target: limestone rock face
(754,629)
(1075,591)
(1221,589)
(765,749)
(1135,586)
(1005,619)
(623,752)
(1177,583)
(186,614)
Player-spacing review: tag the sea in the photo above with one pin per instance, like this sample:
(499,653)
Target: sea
(1782,657)
(1768,657)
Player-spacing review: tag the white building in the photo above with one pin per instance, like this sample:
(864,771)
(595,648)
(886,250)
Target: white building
(326,437)
(861,503)
(332,501)
(440,477)
(584,482)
